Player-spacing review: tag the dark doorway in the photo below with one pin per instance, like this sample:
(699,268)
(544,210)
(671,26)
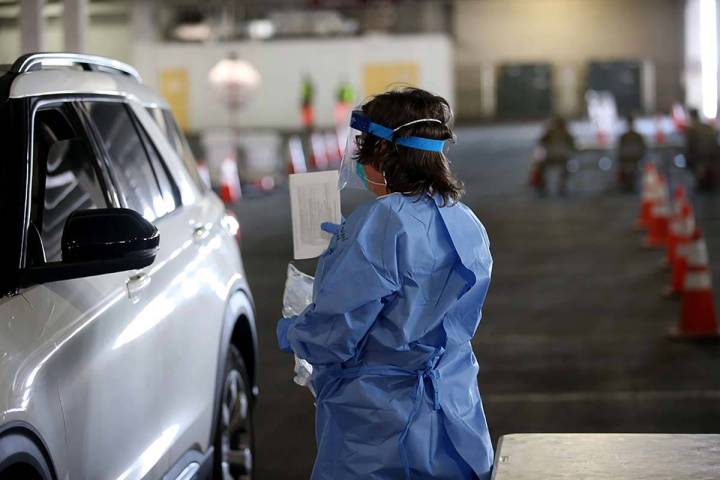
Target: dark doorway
(622,79)
(524,91)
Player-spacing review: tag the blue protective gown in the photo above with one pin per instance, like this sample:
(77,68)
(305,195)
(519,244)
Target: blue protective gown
(397,298)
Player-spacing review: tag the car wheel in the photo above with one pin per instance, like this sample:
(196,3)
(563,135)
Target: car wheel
(20,457)
(234,443)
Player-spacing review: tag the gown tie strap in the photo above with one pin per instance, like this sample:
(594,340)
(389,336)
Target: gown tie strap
(429,371)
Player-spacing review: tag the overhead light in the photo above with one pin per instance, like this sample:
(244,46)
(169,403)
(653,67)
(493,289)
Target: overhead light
(260,29)
(192,32)
(709,57)
(191,25)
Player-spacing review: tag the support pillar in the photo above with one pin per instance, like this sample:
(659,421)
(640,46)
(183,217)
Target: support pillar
(142,20)
(32,26)
(488,91)
(649,87)
(566,101)
(75,25)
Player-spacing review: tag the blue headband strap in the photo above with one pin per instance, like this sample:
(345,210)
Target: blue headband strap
(360,122)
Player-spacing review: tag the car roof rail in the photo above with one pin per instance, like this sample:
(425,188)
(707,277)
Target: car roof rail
(36,61)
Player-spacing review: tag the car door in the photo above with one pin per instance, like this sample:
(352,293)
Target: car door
(111,428)
(199,280)
(185,289)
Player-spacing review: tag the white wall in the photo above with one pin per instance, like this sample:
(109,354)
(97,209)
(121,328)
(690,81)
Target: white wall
(282,65)
(109,37)
(569,34)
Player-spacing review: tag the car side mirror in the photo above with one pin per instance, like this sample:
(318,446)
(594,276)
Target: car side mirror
(99,241)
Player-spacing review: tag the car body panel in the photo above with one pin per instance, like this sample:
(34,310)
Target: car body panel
(103,390)
(30,396)
(65,330)
(122,384)
(71,82)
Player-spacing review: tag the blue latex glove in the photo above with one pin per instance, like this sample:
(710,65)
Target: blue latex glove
(329,227)
(282,328)
(332,228)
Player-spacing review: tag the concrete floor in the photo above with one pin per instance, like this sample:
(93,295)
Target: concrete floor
(573,334)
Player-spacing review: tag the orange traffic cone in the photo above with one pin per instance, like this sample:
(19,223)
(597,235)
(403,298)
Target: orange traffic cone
(229,181)
(660,212)
(333,151)
(649,180)
(319,151)
(697,318)
(684,230)
(674,226)
(296,153)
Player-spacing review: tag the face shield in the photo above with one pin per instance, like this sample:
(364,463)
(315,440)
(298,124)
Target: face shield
(352,174)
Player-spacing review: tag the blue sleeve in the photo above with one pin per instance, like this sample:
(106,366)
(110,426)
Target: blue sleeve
(355,276)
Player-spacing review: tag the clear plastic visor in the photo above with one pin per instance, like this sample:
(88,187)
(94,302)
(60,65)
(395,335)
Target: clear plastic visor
(349,175)
(352,174)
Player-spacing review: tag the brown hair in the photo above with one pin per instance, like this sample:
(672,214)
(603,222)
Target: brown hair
(409,170)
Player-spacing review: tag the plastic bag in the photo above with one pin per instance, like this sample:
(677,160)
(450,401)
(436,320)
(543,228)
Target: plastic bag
(298,292)
(297,296)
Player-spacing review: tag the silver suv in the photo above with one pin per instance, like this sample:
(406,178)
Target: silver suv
(127,330)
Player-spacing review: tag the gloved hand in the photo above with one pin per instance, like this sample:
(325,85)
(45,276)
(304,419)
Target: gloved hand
(329,227)
(281,331)
(332,228)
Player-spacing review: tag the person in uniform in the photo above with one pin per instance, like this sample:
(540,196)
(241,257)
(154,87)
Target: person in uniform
(631,150)
(702,152)
(557,146)
(397,298)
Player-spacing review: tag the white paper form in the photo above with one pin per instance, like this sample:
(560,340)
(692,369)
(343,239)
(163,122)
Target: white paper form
(314,199)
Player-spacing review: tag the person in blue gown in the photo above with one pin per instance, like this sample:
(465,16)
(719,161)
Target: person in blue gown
(397,298)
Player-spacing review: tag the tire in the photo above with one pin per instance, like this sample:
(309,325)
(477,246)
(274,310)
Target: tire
(234,442)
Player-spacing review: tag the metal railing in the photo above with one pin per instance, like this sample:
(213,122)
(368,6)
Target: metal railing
(35,61)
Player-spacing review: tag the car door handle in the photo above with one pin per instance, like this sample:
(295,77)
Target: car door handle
(135,284)
(201,231)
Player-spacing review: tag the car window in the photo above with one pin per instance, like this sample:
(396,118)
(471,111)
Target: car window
(157,115)
(65,178)
(168,187)
(137,181)
(169,126)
